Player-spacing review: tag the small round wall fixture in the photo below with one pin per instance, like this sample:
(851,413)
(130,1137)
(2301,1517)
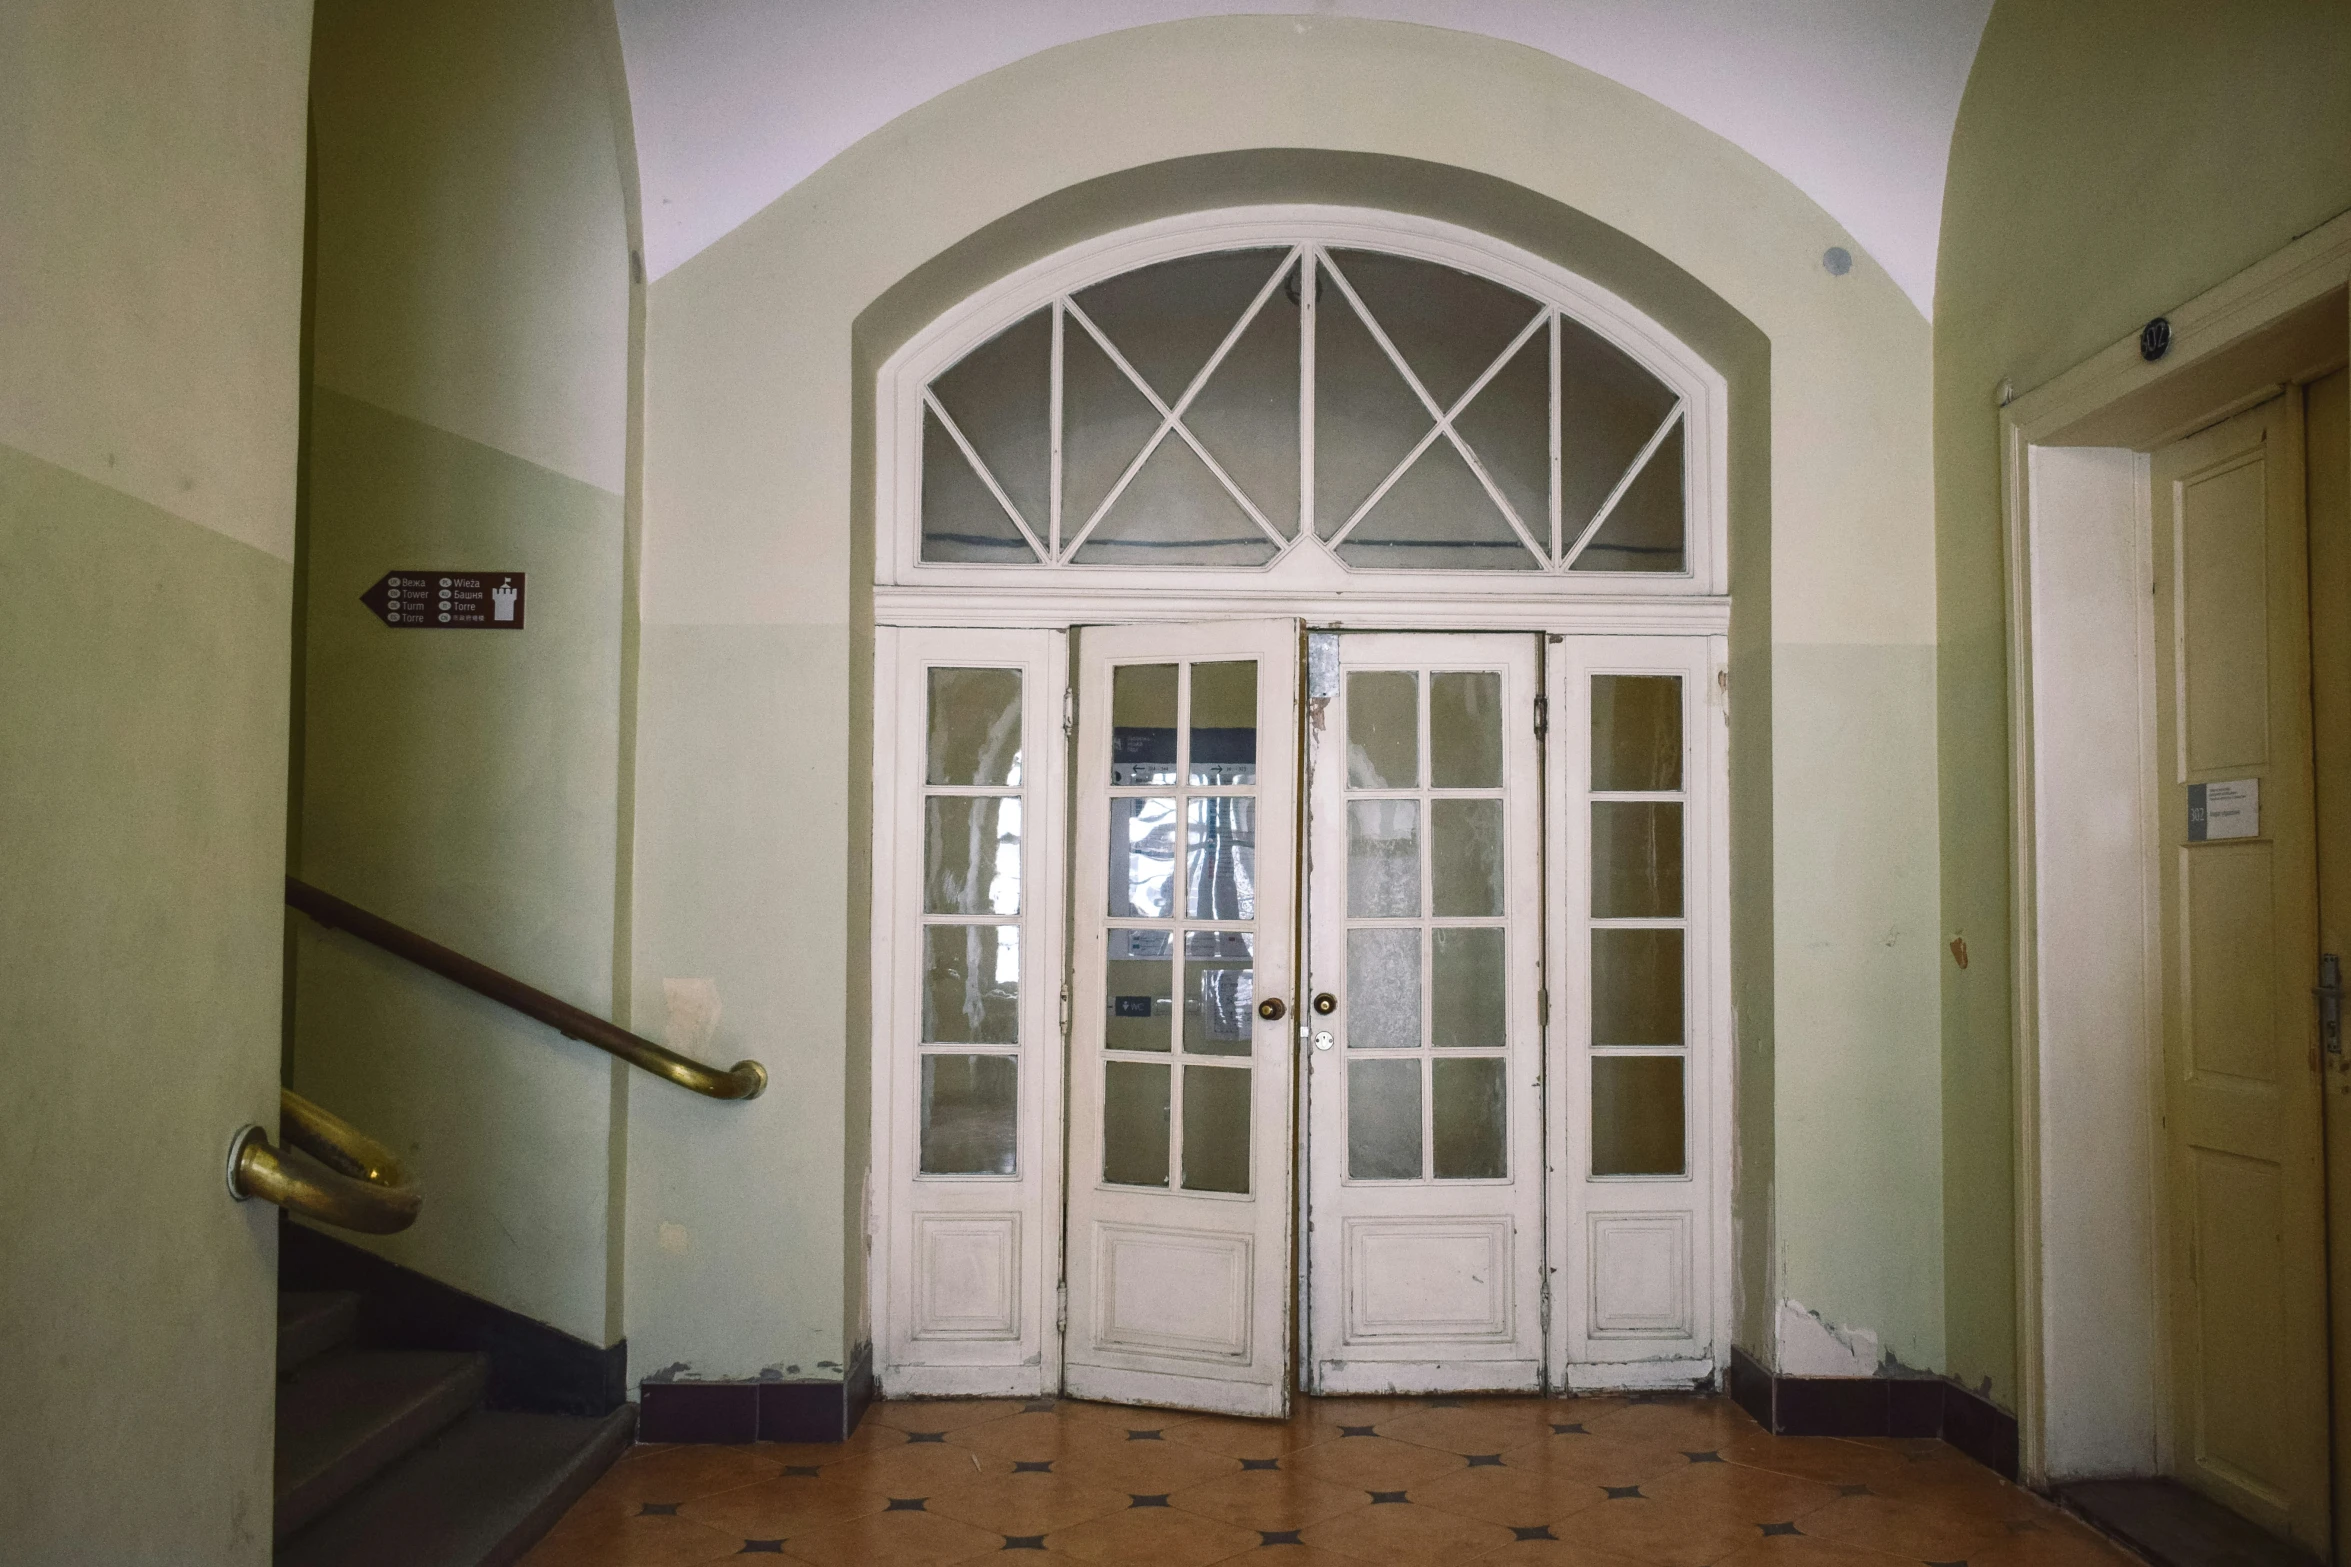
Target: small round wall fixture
(1837,259)
(2155,339)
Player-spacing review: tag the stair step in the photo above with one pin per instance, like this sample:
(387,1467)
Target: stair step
(311,1322)
(345,1416)
(479,1494)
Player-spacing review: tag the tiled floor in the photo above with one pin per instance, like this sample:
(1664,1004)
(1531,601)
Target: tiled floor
(1385,1482)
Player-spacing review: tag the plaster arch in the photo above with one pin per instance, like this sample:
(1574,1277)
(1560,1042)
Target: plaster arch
(754,697)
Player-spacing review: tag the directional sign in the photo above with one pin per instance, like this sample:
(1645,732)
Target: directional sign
(448,600)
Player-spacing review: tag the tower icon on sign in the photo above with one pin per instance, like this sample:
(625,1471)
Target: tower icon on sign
(502,601)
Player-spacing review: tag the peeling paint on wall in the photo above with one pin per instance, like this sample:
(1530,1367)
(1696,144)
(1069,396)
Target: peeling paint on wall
(1809,1346)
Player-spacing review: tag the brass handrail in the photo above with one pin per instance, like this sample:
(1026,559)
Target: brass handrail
(746,1080)
(359,1185)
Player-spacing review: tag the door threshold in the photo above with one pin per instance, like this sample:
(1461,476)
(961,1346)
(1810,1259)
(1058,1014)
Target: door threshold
(2173,1526)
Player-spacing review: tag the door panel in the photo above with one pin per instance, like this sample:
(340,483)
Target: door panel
(2245,1254)
(1183,920)
(967,1070)
(1639,991)
(1424,1080)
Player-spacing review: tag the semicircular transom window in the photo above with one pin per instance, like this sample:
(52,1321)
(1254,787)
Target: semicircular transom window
(1221,409)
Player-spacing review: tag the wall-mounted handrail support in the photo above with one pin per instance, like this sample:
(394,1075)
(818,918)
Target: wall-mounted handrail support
(746,1080)
(363,1185)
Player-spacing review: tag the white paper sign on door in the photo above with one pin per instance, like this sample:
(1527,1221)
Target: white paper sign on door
(2224,810)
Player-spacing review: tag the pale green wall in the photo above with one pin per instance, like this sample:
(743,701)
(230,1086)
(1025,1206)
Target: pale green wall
(471,409)
(150,234)
(753,592)
(2113,159)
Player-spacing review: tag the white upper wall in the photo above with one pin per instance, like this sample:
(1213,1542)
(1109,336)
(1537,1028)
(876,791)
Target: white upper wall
(1852,101)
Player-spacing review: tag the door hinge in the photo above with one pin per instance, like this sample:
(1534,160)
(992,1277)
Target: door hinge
(1065,1011)
(1543,1307)
(1543,1007)
(1061,1307)
(2329,991)
(1542,716)
(1069,711)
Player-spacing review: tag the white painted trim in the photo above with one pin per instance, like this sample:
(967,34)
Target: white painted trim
(2097,396)
(972,321)
(1412,604)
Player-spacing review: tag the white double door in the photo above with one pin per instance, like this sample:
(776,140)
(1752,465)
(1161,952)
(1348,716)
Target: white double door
(1390,1051)
(1415,1031)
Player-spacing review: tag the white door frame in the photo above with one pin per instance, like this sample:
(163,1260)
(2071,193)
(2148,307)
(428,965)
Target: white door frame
(2081,724)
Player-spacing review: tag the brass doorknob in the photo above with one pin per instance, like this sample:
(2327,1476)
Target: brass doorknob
(1271,1009)
(1325,1004)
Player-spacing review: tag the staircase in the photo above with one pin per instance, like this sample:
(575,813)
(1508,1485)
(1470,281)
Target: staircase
(386,1457)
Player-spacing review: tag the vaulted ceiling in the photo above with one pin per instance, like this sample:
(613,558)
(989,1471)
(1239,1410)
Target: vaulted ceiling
(1853,101)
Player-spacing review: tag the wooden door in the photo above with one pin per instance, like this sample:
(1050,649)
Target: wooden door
(2246,1243)
(1184,921)
(2327,491)
(1425,1060)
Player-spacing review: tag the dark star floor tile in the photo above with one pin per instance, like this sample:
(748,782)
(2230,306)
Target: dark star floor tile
(1147,1501)
(761,1547)
(1621,1493)
(906,1504)
(1024,1542)
(1261,1463)
(1388,1496)
(1703,1458)
(926,1436)
(661,1509)
(1029,1466)
(1477,1460)
(1357,1431)
(1781,1528)
(1143,1436)
(1541,1531)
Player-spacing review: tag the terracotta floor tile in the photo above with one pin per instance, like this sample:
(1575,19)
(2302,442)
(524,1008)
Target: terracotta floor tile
(1805,1550)
(941,1414)
(1739,1494)
(777,1509)
(674,1474)
(1557,1552)
(916,1469)
(1152,1537)
(1404,1535)
(1156,1468)
(1237,1438)
(1286,1555)
(1830,1459)
(892,1539)
(1584,1459)
(1659,1532)
(1119,1416)
(1329,1416)
(1693,1423)
(1028,1504)
(1948,1531)
(1371,1463)
(1513,1498)
(1538,1497)
(605,1540)
(1484,1425)
(1268,1499)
